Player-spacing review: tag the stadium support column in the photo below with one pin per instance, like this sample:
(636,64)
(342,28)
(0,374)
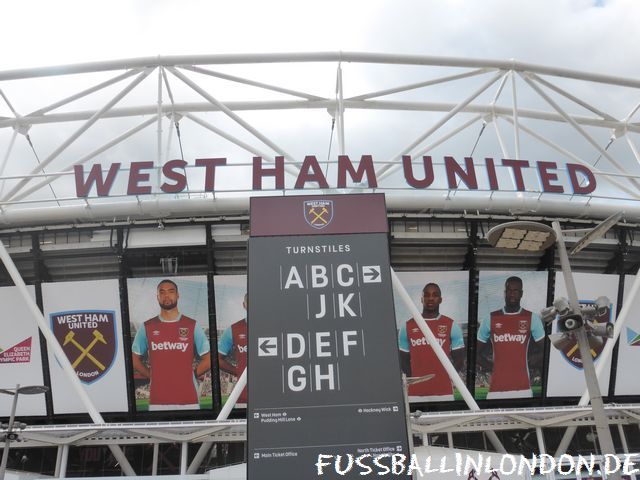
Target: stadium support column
(470,263)
(62,359)
(213,320)
(625,446)
(543,450)
(126,324)
(591,378)
(41,275)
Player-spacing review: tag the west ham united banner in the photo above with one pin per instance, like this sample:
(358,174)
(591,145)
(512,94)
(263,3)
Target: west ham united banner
(85,319)
(170,349)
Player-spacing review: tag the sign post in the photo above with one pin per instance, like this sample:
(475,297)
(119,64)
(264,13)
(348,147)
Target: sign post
(323,372)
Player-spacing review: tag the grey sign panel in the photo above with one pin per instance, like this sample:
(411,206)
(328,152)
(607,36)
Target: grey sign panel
(324,374)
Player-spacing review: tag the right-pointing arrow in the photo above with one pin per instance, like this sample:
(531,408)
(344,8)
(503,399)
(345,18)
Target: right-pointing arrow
(371,274)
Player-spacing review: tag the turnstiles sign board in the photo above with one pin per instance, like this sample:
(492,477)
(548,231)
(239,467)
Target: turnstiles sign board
(323,368)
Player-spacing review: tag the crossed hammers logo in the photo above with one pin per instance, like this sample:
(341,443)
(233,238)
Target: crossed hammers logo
(85,352)
(318,216)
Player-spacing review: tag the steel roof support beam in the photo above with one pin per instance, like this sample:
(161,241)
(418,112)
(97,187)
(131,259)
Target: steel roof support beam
(503,146)
(354,57)
(441,122)
(84,93)
(425,149)
(340,110)
(414,86)
(53,176)
(6,157)
(571,155)
(577,127)
(238,142)
(253,83)
(94,118)
(582,103)
(632,147)
(227,111)
(516,124)
(271,105)
(159,131)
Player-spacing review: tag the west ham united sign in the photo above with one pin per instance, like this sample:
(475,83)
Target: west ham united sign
(88,339)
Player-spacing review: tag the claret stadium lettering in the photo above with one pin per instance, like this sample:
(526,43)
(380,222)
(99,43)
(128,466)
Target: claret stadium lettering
(418,174)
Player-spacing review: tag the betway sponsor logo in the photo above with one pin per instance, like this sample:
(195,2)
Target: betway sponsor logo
(509,337)
(182,346)
(423,341)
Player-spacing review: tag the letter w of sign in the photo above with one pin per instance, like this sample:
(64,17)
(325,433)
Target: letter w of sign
(86,352)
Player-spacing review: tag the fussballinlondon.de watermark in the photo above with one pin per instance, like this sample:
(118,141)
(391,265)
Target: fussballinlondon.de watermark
(475,466)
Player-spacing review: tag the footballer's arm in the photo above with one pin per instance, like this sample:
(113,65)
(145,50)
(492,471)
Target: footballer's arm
(204,365)
(226,366)
(139,366)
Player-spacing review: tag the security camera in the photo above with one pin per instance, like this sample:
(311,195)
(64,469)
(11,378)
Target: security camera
(602,304)
(570,322)
(604,330)
(548,314)
(562,306)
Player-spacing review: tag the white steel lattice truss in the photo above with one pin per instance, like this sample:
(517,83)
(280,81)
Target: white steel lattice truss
(323,104)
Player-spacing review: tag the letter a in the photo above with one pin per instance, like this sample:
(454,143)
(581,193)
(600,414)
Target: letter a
(293,278)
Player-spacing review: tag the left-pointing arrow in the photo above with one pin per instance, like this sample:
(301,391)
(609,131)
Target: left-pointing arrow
(267,346)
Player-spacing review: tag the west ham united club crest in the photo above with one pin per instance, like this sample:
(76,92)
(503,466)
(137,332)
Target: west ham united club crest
(88,339)
(318,213)
(183,333)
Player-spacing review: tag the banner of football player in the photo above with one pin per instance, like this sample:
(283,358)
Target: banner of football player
(510,338)
(231,321)
(170,348)
(566,377)
(85,319)
(20,357)
(629,347)
(442,297)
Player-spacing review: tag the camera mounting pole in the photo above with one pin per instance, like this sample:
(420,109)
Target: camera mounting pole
(600,418)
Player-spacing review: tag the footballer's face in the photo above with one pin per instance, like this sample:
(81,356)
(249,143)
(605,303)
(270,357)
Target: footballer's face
(431,298)
(512,294)
(167,296)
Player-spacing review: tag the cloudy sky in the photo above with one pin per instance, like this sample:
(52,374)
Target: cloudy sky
(599,35)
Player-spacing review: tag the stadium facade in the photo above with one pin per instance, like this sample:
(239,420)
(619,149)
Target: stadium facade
(117,175)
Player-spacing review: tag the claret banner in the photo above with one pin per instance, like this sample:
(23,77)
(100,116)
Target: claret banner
(510,337)
(170,348)
(443,299)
